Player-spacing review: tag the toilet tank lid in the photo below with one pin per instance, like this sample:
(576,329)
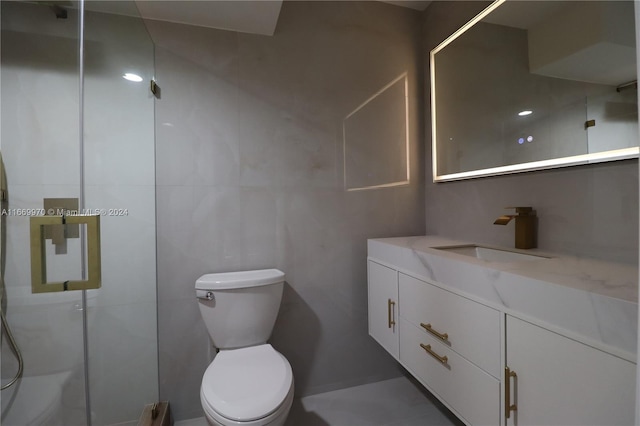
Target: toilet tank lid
(240,279)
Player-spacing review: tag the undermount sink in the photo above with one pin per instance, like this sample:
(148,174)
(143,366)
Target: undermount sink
(490,254)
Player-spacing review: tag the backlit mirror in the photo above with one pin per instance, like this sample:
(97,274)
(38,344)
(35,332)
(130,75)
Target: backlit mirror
(530,85)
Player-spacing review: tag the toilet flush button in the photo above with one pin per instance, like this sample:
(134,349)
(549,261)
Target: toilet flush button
(204,294)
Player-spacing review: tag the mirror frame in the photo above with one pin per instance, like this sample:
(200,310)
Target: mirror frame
(613,155)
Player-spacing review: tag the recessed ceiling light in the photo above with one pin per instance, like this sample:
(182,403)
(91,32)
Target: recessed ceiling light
(525,112)
(132,77)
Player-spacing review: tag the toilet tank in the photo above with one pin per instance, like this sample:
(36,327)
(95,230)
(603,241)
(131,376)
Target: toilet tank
(240,309)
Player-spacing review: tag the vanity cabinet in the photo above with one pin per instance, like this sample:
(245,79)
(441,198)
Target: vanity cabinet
(383,308)
(556,380)
(508,343)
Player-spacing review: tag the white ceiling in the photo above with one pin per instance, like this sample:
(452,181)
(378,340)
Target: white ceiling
(248,16)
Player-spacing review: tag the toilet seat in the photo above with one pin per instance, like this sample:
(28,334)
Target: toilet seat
(246,384)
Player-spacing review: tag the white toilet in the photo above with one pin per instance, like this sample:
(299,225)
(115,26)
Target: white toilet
(248,382)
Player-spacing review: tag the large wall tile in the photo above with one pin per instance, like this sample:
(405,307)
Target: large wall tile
(185,353)
(198,141)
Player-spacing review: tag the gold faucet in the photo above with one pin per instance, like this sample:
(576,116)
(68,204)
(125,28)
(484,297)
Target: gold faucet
(525,226)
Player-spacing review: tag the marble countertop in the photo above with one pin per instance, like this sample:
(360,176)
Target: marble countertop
(593,301)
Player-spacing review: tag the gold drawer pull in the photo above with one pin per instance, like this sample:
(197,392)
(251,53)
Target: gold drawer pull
(442,336)
(390,313)
(441,358)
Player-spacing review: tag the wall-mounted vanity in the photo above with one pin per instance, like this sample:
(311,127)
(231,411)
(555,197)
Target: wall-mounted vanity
(515,338)
(534,85)
(512,337)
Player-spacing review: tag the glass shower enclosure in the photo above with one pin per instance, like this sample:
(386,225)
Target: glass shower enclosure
(73,130)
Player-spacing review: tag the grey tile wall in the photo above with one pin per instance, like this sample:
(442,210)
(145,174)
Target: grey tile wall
(249,156)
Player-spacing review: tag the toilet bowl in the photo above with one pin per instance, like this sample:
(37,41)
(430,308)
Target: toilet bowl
(248,382)
(247,386)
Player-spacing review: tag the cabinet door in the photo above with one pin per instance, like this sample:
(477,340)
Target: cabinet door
(383,306)
(560,381)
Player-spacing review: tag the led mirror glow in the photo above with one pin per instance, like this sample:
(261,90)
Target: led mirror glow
(132,77)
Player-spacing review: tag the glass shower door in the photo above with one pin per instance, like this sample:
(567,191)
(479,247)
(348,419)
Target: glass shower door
(120,184)
(73,128)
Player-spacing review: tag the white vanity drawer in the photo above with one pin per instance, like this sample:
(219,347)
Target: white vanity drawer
(469,328)
(474,394)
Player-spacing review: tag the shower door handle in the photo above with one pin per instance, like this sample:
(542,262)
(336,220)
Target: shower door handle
(39,282)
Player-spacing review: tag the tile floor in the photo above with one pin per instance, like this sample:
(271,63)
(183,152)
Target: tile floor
(394,402)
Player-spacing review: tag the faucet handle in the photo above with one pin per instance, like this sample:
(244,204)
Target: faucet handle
(523,211)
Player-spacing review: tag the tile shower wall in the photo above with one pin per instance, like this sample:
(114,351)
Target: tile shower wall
(584,210)
(250,175)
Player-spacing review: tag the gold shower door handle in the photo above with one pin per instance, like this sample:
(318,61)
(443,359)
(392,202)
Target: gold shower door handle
(508,407)
(391,313)
(39,282)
